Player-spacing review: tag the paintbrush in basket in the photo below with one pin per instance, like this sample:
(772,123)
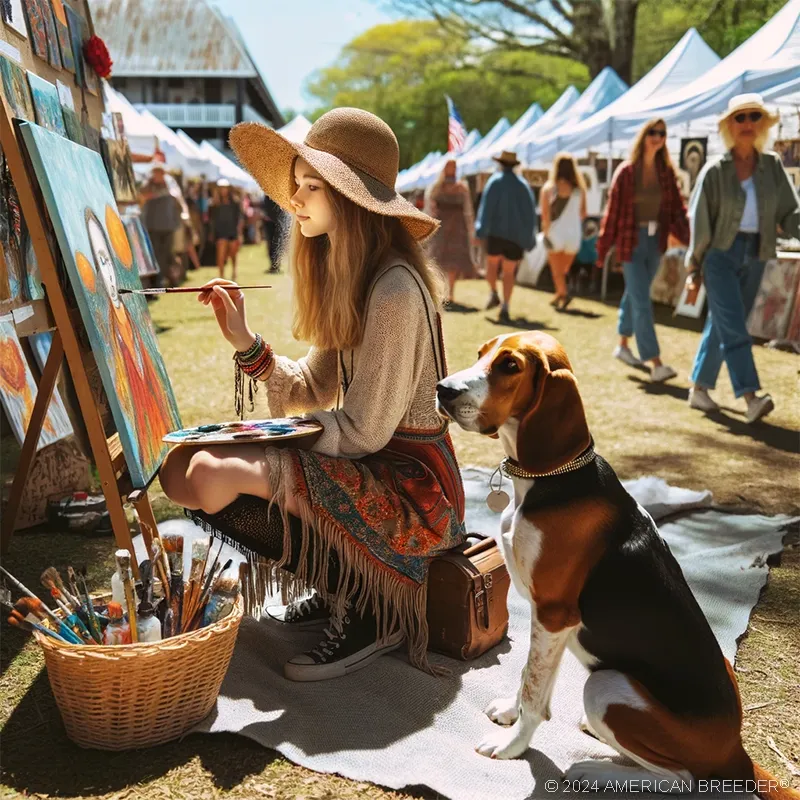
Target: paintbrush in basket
(159,559)
(52,579)
(25,590)
(124,569)
(73,587)
(173,545)
(74,622)
(183,289)
(18,621)
(200,550)
(94,623)
(208,586)
(33,606)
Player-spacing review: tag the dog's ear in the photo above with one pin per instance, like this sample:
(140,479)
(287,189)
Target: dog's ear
(554,430)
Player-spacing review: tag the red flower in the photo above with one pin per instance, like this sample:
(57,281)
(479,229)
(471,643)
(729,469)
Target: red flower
(96,54)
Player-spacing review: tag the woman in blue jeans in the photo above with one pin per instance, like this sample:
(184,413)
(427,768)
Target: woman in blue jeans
(740,203)
(644,207)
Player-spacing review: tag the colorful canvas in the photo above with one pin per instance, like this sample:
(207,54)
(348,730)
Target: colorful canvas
(37,28)
(15,89)
(140,245)
(72,123)
(117,156)
(251,430)
(14,17)
(10,234)
(62,33)
(91,137)
(99,262)
(76,40)
(18,391)
(53,50)
(769,318)
(46,104)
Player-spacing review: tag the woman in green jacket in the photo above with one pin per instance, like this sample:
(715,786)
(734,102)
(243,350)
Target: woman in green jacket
(740,203)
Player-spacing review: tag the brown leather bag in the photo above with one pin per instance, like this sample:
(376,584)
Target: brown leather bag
(467,590)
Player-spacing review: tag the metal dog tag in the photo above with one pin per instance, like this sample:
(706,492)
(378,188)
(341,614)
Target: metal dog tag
(497,500)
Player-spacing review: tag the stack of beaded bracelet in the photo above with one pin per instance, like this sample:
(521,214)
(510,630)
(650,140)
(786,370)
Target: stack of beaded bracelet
(252,363)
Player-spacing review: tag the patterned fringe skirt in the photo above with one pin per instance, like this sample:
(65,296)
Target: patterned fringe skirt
(384,516)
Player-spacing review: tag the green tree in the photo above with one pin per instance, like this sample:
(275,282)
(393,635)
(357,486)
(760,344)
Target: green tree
(402,70)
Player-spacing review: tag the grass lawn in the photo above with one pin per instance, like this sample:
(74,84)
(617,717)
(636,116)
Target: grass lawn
(641,429)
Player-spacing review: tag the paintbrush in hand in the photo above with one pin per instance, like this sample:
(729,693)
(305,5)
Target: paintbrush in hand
(182,289)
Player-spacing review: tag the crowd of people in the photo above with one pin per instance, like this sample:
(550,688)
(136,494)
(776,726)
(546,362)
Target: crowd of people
(739,205)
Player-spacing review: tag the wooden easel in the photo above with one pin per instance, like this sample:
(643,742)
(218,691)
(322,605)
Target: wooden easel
(107,452)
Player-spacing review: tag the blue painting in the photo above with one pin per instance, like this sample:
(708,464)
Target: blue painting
(100,262)
(46,104)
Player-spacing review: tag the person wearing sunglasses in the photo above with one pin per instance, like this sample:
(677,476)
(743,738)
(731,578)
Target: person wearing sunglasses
(644,207)
(740,203)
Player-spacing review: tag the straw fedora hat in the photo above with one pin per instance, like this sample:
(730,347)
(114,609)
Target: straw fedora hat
(748,102)
(507,158)
(354,151)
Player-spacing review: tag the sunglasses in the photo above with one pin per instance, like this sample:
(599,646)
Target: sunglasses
(753,116)
(660,132)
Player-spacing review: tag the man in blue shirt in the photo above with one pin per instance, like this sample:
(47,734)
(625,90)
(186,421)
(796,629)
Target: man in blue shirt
(507,221)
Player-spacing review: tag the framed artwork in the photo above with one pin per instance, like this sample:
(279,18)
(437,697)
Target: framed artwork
(62,34)
(91,137)
(694,311)
(37,28)
(769,318)
(14,17)
(789,151)
(117,156)
(667,284)
(10,231)
(76,40)
(65,95)
(18,391)
(46,104)
(794,176)
(16,90)
(72,123)
(143,255)
(693,157)
(99,262)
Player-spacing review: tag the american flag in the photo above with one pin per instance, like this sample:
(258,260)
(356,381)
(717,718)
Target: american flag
(456,132)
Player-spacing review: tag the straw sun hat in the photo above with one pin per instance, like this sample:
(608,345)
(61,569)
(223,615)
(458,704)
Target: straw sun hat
(748,102)
(354,151)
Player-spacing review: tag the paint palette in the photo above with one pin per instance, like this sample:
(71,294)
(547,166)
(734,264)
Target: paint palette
(251,430)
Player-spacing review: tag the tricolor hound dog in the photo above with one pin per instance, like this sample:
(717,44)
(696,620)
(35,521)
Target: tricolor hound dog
(601,581)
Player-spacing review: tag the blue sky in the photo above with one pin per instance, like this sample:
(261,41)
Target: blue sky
(290,39)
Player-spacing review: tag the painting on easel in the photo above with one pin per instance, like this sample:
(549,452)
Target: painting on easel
(18,391)
(99,262)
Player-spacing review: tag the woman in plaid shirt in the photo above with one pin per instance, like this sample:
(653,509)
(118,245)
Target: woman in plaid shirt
(644,207)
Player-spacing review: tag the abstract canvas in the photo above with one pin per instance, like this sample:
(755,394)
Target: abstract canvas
(46,104)
(117,156)
(143,255)
(15,88)
(14,17)
(62,32)
(99,262)
(53,50)
(37,28)
(18,391)
(76,40)
(10,234)
(769,318)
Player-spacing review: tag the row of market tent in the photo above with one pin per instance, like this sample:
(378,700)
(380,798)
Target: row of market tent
(146,134)
(688,88)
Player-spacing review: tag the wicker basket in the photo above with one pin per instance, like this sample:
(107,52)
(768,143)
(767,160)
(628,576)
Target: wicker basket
(136,695)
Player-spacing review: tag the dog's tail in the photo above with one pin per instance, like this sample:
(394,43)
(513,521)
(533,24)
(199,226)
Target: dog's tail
(768,787)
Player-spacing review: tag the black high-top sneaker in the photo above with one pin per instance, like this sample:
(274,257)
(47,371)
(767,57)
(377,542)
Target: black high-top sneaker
(345,648)
(311,614)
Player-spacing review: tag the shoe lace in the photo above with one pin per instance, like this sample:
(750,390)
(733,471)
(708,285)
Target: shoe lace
(299,609)
(334,636)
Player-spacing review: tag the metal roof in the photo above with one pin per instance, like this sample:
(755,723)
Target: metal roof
(170,38)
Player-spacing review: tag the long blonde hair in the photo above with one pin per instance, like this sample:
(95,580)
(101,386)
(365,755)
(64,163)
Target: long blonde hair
(332,274)
(565,167)
(637,148)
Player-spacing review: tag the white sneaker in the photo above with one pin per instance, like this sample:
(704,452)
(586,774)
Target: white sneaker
(662,373)
(759,407)
(625,355)
(699,398)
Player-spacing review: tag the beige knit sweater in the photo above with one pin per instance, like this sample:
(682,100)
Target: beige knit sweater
(391,376)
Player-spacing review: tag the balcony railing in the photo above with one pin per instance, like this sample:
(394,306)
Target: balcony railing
(201,115)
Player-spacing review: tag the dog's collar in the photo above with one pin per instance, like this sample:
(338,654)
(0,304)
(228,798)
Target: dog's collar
(514,470)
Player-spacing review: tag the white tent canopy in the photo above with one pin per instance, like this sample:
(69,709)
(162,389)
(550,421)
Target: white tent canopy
(550,118)
(212,171)
(768,63)
(430,172)
(227,169)
(177,154)
(406,180)
(483,162)
(690,56)
(486,145)
(604,89)
(296,130)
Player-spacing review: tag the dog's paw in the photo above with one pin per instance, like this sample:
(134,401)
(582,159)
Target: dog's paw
(508,743)
(503,710)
